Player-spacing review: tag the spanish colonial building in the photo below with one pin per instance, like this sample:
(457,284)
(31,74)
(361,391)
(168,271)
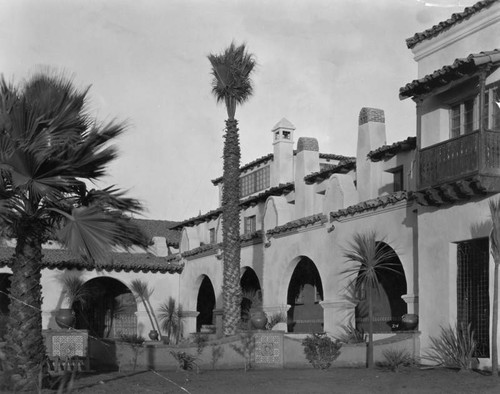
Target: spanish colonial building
(426,197)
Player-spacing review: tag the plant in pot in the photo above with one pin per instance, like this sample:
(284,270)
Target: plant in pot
(143,293)
(171,320)
(252,301)
(73,291)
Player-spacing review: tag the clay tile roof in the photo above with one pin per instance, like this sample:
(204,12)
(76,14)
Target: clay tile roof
(388,151)
(453,20)
(447,74)
(370,205)
(270,156)
(160,228)
(296,224)
(137,262)
(342,168)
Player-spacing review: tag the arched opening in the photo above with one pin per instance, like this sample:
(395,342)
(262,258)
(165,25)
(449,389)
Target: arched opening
(388,306)
(251,293)
(305,292)
(4,303)
(205,304)
(111,311)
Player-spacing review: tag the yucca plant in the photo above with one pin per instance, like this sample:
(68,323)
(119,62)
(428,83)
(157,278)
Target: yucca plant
(170,316)
(75,291)
(370,260)
(454,348)
(142,292)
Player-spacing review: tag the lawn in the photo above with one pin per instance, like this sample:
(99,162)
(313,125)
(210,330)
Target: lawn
(334,380)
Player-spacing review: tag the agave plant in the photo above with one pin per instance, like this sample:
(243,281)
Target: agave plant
(454,348)
(171,319)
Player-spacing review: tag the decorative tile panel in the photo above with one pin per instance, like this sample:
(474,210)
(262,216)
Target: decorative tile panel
(67,346)
(268,349)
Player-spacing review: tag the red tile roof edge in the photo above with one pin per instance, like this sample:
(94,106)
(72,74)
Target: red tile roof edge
(444,25)
(455,71)
(388,151)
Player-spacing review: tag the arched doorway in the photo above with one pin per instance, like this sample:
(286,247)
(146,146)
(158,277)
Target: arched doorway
(205,304)
(251,293)
(388,306)
(111,310)
(4,303)
(305,292)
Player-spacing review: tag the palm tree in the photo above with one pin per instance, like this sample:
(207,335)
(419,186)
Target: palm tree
(372,260)
(171,319)
(231,85)
(142,292)
(495,252)
(49,149)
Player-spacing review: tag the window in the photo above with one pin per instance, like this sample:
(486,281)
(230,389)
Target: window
(464,116)
(212,236)
(397,179)
(255,181)
(250,224)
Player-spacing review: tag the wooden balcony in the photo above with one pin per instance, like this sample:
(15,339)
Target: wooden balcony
(464,157)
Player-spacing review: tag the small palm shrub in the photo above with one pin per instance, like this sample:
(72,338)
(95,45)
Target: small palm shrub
(171,319)
(275,318)
(352,334)
(321,350)
(396,358)
(454,348)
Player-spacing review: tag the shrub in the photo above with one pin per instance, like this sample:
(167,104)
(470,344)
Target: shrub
(396,358)
(321,350)
(186,361)
(275,318)
(352,334)
(246,348)
(454,348)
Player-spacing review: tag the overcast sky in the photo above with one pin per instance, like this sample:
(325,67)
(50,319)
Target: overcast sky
(319,63)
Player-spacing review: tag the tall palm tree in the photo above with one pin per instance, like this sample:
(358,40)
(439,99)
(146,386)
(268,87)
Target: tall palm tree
(231,85)
(371,261)
(49,149)
(495,252)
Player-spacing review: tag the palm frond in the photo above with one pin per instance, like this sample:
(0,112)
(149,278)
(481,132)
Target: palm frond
(141,289)
(231,70)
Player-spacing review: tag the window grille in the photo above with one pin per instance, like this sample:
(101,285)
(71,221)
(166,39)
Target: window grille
(255,181)
(473,291)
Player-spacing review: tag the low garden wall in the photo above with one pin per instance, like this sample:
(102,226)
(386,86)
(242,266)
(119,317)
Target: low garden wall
(272,350)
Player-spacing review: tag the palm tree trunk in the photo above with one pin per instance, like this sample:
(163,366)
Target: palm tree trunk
(369,354)
(145,303)
(494,324)
(156,325)
(25,345)
(231,229)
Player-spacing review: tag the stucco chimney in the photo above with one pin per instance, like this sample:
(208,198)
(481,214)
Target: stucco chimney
(307,162)
(282,171)
(371,135)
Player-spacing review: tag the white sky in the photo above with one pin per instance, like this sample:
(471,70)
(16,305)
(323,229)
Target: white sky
(319,63)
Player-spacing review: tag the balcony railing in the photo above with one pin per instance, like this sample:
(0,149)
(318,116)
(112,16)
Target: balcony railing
(459,158)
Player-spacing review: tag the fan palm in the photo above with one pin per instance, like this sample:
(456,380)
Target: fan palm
(495,252)
(49,148)
(371,260)
(231,85)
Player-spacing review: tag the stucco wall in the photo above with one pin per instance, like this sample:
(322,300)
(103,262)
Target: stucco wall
(439,231)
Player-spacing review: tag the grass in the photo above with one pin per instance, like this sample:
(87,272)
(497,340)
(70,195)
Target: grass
(289,381)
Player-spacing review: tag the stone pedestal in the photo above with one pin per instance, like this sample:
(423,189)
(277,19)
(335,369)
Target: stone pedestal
(189,320)
(337,313)
(411,302)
